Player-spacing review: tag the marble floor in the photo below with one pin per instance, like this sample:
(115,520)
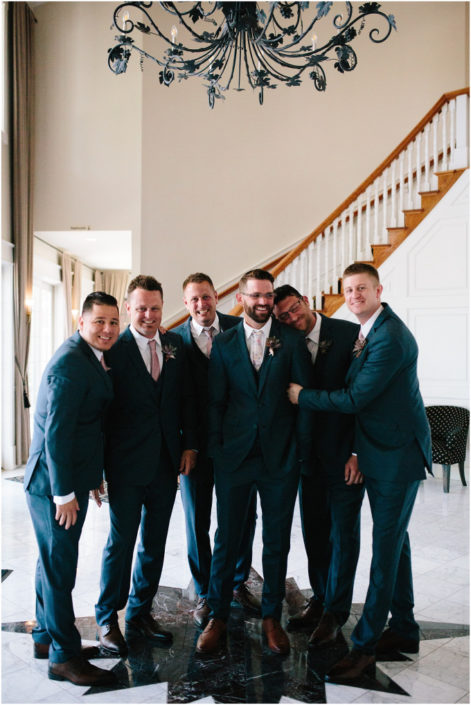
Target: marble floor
(245,671)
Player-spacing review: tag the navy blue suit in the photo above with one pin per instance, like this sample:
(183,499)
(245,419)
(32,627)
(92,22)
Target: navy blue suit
(149,425)
(197,487)
(255,439)
(66,456)
(330,509)
(392,439)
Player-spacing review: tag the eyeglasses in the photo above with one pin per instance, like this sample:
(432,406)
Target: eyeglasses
(283,317)
(255,297)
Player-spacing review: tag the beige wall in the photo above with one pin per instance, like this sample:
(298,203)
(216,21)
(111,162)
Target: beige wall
(225,189)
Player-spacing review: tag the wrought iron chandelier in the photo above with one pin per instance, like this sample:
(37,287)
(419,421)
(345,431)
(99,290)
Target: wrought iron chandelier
(230,39)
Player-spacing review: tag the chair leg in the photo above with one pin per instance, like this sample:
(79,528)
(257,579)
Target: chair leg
(463,479)
(446,478)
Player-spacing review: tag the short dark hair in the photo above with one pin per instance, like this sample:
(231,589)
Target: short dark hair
(99,298)
(361,268)
(146,282)
(282,293)
(197,278)
(263,274)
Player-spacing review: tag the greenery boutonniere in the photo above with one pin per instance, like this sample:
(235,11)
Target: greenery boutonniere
(169,352)
(324,346)
(273,344)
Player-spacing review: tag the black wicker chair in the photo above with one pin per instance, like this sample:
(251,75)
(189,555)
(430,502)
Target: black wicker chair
(449,426)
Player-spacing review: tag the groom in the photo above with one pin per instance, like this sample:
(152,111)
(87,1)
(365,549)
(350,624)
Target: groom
(257,440)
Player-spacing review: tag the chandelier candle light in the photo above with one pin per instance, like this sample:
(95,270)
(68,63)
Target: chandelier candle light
(224,40)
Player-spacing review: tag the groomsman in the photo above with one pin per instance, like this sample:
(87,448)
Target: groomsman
(331,489)
(392,440)
(151,438)
(198,332)
(65,463)
(255,440)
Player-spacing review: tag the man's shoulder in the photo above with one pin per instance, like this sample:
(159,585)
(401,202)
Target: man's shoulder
(182,328)
(171,338)
(340,324)
(69,356)
(227,321)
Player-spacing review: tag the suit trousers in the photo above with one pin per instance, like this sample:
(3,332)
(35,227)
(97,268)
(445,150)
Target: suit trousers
(390,588)
(277,498)
(55,576)
(197,499)
(132,506)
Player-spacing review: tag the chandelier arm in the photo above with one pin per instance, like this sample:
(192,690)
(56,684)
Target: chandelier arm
(274,72)
(188,27)
(337,21)
(168,5)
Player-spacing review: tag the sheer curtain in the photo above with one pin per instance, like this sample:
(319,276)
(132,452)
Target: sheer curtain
(20,36)
(114,282)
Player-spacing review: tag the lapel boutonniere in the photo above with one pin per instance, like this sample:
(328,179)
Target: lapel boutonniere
(273,344)
(358,347)
(324,346)
(169,352)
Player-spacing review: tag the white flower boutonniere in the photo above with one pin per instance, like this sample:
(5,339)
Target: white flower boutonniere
(169,352)
(273,344)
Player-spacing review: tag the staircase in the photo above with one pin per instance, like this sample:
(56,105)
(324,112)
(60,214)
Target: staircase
(378,216)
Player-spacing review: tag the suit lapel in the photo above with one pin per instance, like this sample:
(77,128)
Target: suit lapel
(268,358)
(90,355)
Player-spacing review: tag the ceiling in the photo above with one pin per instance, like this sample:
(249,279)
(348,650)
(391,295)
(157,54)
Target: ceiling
(98,249)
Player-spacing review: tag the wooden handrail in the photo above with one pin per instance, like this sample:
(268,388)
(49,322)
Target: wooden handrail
(296,251)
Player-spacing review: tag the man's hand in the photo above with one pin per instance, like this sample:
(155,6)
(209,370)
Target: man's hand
(352,474)
(187,462)
(96,494)
(293,392)
(67,513)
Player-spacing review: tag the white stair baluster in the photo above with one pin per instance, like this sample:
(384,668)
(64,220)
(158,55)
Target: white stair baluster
(385,234)
(326,261)
(351,243)
(393,217)
(318,244)
(444,115)
(410,177)
(418,178)
(310,273)
(367,224)
(343,243)
(401,189)
(359,252)
(334,252)
(427,186)
(460,157)
(452,109)
(376,237)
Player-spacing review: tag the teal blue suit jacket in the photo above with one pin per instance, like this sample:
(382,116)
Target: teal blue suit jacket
(244,406)
(66,453)
(392,434)
(144,415)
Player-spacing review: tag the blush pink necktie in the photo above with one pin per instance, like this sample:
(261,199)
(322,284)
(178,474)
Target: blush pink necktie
(210,333)
(154,361)
(103,364)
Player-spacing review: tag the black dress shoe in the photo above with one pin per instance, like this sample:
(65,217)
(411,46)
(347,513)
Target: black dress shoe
(78,671)
(249,602)
(326,631)
(392,641)
(308,617)
(201,613)
(42,651)
(351,667)
(146,625)
(111,640)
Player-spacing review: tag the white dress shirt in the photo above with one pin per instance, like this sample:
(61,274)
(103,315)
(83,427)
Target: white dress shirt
(200,336)
(265,334)
(144,349)
(366,327)
(312,338)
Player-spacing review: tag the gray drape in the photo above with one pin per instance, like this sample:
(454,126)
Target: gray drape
(20,33)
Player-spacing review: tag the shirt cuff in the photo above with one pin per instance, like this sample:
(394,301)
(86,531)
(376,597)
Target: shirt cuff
(64,499)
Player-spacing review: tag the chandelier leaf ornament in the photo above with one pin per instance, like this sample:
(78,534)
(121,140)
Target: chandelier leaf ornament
(245,42)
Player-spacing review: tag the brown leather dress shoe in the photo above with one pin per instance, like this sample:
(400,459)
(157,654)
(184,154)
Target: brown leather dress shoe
(42,651)
(392,641)
(210,640)
(201,613)
(146,625)
(277,638)
(249,602)
(111,640)
(78,671)
(351,667)
(308,617)
(326,631)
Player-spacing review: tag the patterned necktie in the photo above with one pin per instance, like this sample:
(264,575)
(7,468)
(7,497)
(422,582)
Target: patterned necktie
(210,335)
(359,344)
(154,361)
(256,348)
(312,347)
